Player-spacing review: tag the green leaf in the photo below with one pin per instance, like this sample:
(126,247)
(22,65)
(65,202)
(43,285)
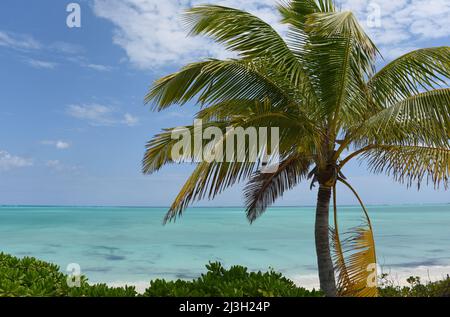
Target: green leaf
(408,75)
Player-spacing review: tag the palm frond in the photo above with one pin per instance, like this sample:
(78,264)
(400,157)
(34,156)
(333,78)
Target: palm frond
(292,124)
(340,54)
(354,280)
(207,181)
(216,81)
(210,179)
(355,257)
(408,75)
(264,189)
(252,113)
(411,163)
(343,25)
(252,38)
(324,5)
(424,117)
(295,12)
(159,150)
(240,31)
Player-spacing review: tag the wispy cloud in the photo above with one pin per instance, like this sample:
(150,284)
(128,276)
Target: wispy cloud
(67,48)
(61,51)
(101,115)
(404,23)
(58,166)
(99,67)
(53,163)
(18,41)
(95,114)
(60,145)
(82,61)
(9,161)
(130,120)
(41,64)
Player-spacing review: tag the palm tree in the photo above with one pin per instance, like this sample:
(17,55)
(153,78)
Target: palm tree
(320,86)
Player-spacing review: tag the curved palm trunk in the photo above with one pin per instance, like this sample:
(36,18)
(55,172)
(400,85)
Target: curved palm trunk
(326,269)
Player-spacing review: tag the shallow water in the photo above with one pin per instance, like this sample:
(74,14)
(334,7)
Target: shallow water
(131,244)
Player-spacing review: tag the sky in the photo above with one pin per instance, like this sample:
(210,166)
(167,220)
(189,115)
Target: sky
(73,125)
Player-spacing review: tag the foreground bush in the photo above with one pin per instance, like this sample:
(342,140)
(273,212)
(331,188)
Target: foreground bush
(235,282)
(416,288)
(31,277)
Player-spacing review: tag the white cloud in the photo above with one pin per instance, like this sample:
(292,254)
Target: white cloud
(151,33)
(130,120)
(41,64)
(53,163)
(9,161)
(95,114)
(404,24)
(98,67)
(58,166)
(18,41)
(60,145)
(67,48)
(101,115)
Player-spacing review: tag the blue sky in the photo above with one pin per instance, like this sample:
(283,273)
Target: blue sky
(73,126)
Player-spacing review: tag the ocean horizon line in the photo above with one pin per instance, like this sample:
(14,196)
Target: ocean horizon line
(205,207)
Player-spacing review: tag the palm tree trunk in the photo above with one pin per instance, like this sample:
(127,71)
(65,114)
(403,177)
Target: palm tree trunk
(325,263)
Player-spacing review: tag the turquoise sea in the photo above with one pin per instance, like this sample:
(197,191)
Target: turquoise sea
(131,244)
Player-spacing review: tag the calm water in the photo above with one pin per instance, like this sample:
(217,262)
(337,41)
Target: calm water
(130,244)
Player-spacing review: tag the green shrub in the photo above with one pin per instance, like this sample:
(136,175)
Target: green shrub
(415,288)
(235,282)
(29,277)
(101,290)
(32,277)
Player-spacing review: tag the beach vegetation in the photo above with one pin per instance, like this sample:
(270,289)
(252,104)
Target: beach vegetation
(415,288)
(30,277)
(234,282)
